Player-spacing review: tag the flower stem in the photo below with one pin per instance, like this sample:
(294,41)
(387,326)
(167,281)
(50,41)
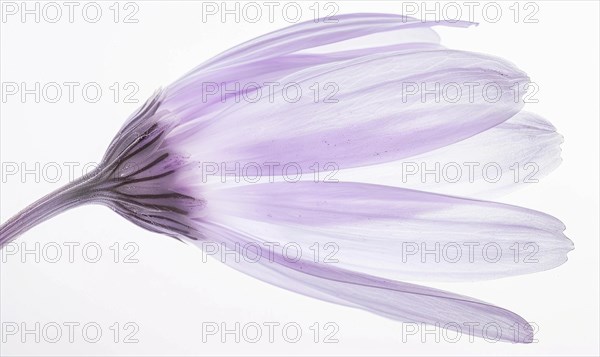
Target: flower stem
(66,197)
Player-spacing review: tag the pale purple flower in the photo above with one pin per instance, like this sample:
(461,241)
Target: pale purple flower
(152,174)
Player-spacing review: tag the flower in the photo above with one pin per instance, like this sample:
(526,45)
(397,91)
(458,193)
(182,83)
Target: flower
(374,101)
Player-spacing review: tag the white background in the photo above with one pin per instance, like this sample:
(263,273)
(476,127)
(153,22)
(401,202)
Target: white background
(171,291)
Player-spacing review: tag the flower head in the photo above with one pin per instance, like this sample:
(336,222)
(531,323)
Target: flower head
(383,106)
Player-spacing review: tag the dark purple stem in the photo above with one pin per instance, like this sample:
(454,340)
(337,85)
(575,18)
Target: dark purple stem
(66,197)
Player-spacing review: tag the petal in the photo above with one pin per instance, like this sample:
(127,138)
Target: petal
(392,232)
(512,155)
(363,100)
(273,56)
(311,34)
(392,299)
(374,120)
